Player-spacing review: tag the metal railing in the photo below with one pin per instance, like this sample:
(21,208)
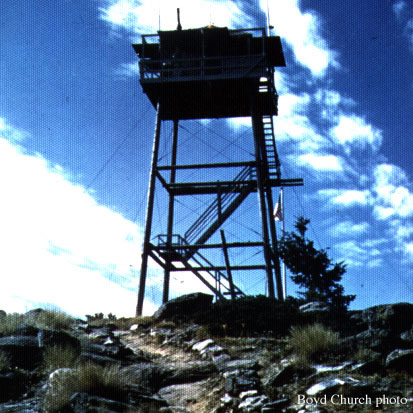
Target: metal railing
(228,66)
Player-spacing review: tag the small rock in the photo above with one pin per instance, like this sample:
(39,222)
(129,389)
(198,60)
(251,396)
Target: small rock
(202,345)
(251,404)
(241,365)
(250,393)
(234,385)
(407,336)
(212,351)
(227,399)
(134,328)
(329,386)
(314,306)
(221,361)
(275,406)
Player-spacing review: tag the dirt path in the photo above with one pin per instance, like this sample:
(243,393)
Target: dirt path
(207,391)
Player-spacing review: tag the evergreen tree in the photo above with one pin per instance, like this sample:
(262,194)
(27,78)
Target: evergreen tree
(312,269)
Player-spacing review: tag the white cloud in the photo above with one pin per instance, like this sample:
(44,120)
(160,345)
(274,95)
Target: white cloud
(293,125)
(349,228)
(354,131)
(372,243)
(404,15)
(58,246)
(351,253)
(355,254)
(330,102)
(128,69)
(143,16)
(408,250)
(11,133)
(350,197)
(326,163)
(393,197)
(60,249)
(398,8)
(302,32)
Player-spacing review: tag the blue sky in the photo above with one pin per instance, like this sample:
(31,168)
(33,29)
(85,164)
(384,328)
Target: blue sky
(76,135)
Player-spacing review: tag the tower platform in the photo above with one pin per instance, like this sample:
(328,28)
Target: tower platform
(209,72)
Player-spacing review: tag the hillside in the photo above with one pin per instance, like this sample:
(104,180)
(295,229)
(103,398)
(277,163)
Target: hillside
(182,361)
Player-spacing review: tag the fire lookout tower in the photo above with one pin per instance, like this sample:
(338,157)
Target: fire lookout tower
(210,73)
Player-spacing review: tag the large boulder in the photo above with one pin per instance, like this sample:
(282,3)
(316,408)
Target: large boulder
(183,307)
(23,351)
(47,338)
(12,385)
(396,318)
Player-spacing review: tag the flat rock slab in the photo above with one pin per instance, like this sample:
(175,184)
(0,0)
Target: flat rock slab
(241,365)
(183,394)
(400,360)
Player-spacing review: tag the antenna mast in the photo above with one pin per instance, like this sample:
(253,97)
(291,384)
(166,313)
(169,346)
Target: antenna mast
(179,27)
(269,27)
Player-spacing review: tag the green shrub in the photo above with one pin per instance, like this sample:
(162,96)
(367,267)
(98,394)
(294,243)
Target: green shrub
(56,357)
(313,270)
(166,324)
(249,316)
(104,381)
(310,343)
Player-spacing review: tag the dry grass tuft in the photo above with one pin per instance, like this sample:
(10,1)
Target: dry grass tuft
(57,357)
(9,323)
(311,342)
(105,381)
(48,319)
(45,319)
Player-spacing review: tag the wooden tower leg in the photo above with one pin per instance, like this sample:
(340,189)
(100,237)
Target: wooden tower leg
(165,296)
(149,212)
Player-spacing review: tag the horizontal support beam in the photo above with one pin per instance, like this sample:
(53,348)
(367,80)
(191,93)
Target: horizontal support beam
(200,188)
(221,268)
(210,246)
(192,188)
(206,165)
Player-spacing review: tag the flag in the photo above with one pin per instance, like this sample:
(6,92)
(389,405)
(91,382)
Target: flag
(278,210)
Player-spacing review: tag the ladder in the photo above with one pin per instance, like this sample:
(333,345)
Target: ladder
(274,166)
(266,86)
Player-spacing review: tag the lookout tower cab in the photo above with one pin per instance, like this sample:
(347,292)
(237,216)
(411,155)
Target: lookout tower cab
(210,72)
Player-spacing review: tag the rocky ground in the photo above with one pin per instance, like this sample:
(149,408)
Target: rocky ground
(157,365)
